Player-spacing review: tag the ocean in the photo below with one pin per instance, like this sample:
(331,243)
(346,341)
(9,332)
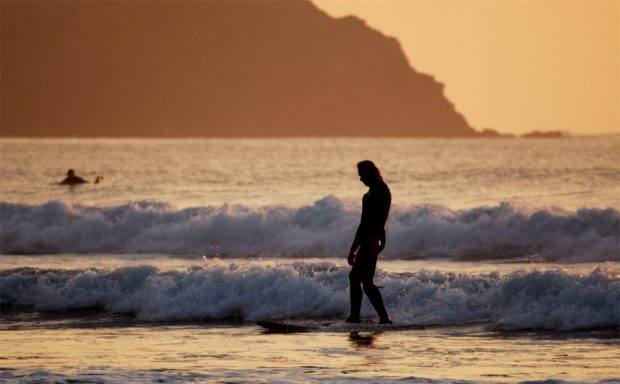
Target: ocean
(503,253)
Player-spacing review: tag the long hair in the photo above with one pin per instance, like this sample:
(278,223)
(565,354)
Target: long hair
(369,168)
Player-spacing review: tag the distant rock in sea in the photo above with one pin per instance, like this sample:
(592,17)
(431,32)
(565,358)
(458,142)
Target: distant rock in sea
(210,69)
(488,132)
(545,134)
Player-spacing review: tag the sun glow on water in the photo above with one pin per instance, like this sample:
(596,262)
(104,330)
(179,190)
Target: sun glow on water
(145,353)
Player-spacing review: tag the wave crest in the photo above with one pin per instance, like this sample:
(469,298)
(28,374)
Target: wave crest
(323,229)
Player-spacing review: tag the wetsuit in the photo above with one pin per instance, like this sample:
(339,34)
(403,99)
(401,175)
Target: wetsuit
(370,239)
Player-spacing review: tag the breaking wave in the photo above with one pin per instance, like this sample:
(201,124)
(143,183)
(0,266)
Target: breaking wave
(323,229)
(549,300)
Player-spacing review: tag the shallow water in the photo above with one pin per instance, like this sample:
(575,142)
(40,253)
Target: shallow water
(245,353)
(181,263)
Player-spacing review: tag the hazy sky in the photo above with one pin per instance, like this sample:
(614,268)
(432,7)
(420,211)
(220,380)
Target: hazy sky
(515,66)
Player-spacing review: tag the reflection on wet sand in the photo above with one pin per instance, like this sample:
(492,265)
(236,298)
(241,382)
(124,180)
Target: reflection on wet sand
(363,339)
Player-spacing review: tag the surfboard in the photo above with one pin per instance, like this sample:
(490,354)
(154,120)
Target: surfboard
(284,327)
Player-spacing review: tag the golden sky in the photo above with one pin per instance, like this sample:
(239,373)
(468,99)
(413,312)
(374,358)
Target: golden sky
(514,66)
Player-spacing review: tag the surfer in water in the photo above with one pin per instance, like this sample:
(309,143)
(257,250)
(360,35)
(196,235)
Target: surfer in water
(72,179)
(369,241)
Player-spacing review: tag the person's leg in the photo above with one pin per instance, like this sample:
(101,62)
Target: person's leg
(376,300)
(368,272)
(355,290)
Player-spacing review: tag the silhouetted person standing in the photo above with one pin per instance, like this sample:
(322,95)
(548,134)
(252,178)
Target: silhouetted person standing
(369,242)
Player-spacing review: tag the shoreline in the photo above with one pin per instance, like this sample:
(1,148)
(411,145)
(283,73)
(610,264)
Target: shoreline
(28,318)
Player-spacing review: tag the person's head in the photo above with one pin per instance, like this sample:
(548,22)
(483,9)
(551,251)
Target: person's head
(369,173)
(71,173)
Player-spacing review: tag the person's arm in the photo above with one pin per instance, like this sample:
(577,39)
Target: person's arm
(386,201)
(382,240)
(356,244)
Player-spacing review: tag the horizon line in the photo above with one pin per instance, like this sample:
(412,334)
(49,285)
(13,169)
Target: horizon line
(503,137)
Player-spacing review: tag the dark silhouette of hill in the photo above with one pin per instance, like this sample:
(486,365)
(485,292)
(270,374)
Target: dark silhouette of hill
(212,68)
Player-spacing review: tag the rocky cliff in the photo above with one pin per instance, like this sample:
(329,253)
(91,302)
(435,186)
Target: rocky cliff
(209,69)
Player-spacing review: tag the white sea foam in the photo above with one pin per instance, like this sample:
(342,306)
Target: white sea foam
(551,300)
(322,229)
